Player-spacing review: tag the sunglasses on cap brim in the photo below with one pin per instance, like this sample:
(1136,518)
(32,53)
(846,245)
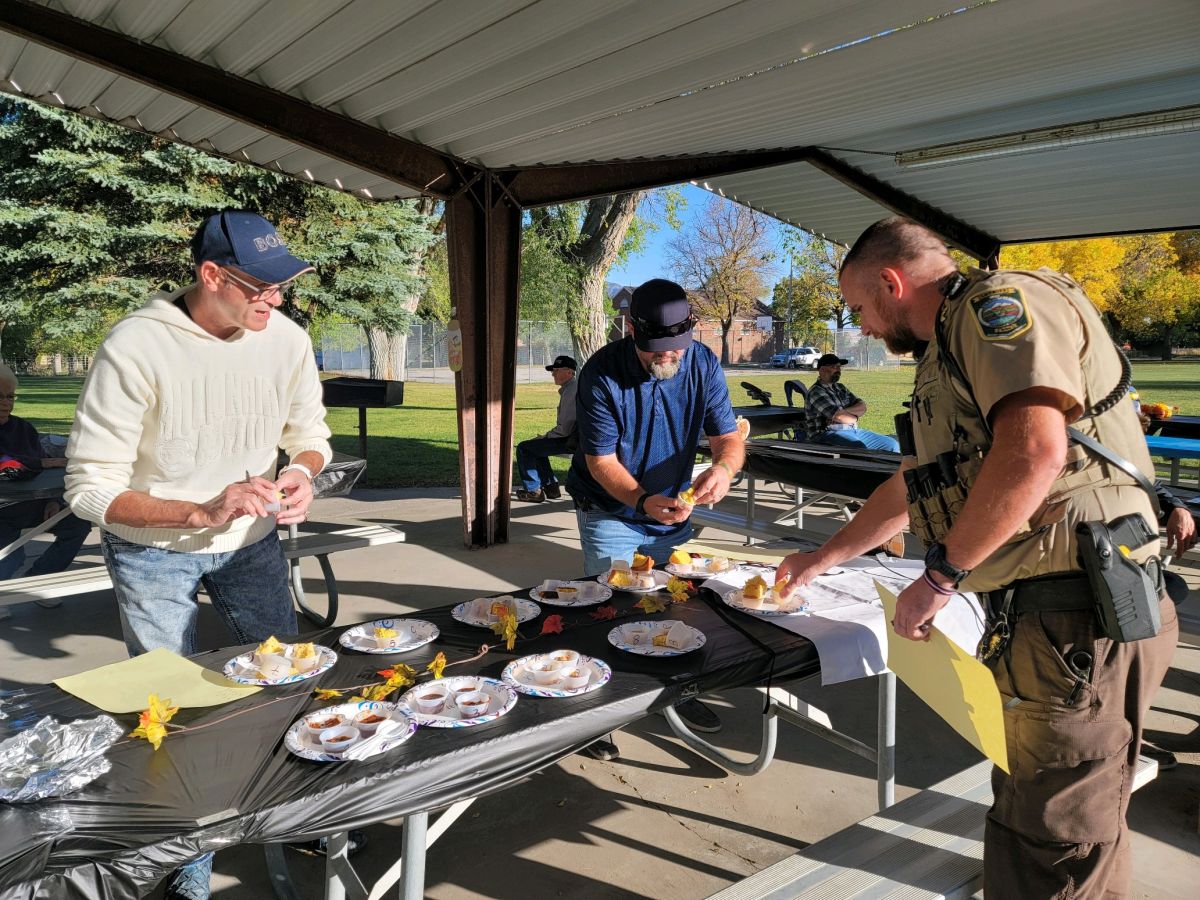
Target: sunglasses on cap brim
(649,331)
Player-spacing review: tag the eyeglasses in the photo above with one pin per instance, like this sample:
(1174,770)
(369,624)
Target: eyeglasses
(8,396)
(647,330)
(260,290)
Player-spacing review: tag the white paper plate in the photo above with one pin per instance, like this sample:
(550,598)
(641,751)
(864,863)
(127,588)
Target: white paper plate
(660,583)
(503,699)
(767,610)
(623,638)
(304,745)
(526,610)
(697,569)
(410,634)
(516,675)
(596,594)
(242,669)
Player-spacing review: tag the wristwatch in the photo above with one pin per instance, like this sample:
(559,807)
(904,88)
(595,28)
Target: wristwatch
(640,507)
(935,561)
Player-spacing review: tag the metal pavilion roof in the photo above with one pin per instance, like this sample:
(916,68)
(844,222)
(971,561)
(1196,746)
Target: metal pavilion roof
(511,83)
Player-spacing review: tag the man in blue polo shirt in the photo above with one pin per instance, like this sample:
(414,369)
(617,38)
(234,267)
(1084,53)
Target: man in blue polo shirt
(643,404)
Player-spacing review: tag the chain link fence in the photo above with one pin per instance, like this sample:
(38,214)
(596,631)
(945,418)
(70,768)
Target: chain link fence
(47,364)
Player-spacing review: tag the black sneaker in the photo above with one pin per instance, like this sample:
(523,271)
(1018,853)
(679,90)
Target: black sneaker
(698,717)
(1165,758)
(357,841)
(602,749)
(552,491)
(531,496)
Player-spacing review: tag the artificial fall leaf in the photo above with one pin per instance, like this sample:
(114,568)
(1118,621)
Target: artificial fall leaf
(552,625)
(385,673)
(602,613)
(152,722)
(438,664)
(327,694)
(651,604)
(507,629)
(678,589)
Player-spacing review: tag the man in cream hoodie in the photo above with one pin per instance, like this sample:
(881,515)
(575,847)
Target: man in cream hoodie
(173,451)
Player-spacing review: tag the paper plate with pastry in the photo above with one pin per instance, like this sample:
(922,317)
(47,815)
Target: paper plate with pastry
(273,662)
(349,731)
(460,702)
(560,673)
(669,637)
(389,636)
(685,565)
(761,599)
(553,592)
(487,611)
(643,579)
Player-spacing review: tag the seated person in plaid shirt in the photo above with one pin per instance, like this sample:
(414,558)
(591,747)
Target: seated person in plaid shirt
(833,412)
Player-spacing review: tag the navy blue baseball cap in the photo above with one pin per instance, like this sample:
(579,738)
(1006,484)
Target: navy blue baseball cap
(662,316)
(249,243)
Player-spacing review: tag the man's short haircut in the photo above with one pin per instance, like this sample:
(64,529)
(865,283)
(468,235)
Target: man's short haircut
(894,240)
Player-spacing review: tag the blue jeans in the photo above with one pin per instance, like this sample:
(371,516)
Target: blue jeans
(156,592)
(69,535)
(605,537)
(858,438)
(533,461)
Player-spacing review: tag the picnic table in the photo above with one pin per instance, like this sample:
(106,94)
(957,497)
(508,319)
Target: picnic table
(1176,426)
(771,419)
(234,781)
(1173,449)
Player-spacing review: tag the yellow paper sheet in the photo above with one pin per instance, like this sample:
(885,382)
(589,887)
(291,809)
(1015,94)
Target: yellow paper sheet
(954,684)
(125,687)
(734,550)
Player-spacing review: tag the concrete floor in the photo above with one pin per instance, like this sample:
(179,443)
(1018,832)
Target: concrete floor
(659,822)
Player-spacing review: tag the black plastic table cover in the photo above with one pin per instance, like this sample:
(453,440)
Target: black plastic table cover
(1176,426)
(45,485)
(819,467)
(234,782)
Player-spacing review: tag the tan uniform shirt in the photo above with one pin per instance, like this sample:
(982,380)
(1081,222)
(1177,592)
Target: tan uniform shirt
(1011,331)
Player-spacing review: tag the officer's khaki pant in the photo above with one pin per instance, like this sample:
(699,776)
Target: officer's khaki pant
(1057,825)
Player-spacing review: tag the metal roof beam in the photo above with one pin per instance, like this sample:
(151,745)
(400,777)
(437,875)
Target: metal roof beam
(958,234)
(318,129)
(543,185)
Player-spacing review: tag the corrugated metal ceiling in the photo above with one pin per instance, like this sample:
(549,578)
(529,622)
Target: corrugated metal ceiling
(526,82)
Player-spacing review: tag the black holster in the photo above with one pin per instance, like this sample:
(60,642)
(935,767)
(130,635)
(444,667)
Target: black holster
(1127,593)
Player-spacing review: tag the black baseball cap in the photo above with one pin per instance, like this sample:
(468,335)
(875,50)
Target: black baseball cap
(249,243)
(662,316)
(831,359)
(562,362)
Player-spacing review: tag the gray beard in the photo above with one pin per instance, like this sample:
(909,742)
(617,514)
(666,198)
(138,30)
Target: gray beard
(664,371)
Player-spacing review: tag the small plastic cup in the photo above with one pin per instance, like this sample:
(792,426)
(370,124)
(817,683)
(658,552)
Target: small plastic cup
(367,720)
(431,700)
(566,657)
(339,740)
(304,664)
(751,602)
(545,670)
(272,666)
(466,685)
(637,633)
(322,721)
(575,678)
(387,643)
(473,704)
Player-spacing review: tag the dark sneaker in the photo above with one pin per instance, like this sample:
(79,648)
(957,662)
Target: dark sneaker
(602,749)
(531,496)
(551,491)
(356,842)
(1165,758)
(698,717)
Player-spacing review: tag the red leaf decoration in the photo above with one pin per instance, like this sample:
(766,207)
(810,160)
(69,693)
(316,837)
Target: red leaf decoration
(552,625)
(386,673)
(604,612)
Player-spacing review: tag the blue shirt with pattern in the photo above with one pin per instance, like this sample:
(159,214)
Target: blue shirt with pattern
(653,426)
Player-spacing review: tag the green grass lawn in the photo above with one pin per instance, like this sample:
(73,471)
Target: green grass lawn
(417,444)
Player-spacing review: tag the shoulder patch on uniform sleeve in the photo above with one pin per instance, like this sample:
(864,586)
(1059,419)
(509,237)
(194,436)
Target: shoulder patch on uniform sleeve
(1001,314)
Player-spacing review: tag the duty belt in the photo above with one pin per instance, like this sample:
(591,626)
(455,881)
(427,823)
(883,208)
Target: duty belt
(1050,593)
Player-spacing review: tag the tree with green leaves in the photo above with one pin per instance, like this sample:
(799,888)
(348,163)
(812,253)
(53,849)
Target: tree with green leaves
(810,295)
(95,217)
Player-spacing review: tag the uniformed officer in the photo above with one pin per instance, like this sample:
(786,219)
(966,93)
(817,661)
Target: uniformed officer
(995,488)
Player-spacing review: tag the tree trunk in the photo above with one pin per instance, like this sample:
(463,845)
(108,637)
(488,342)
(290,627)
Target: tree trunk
(388,354)
(1166,343)
(604,227)
(725,329)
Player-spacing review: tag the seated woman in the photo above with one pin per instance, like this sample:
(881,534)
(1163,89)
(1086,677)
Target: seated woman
(20,441)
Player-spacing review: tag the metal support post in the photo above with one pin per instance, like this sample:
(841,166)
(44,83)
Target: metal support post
(412,875)
(886,737)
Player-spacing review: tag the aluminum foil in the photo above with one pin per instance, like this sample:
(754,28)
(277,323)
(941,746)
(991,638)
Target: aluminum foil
(52,759)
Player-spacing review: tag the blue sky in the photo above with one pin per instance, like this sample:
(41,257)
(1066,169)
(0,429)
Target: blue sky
(653,262)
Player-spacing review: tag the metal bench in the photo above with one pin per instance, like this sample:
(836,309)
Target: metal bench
(928,846)
(321,545)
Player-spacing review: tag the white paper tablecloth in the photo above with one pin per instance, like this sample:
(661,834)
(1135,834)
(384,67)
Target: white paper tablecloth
(845,619)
